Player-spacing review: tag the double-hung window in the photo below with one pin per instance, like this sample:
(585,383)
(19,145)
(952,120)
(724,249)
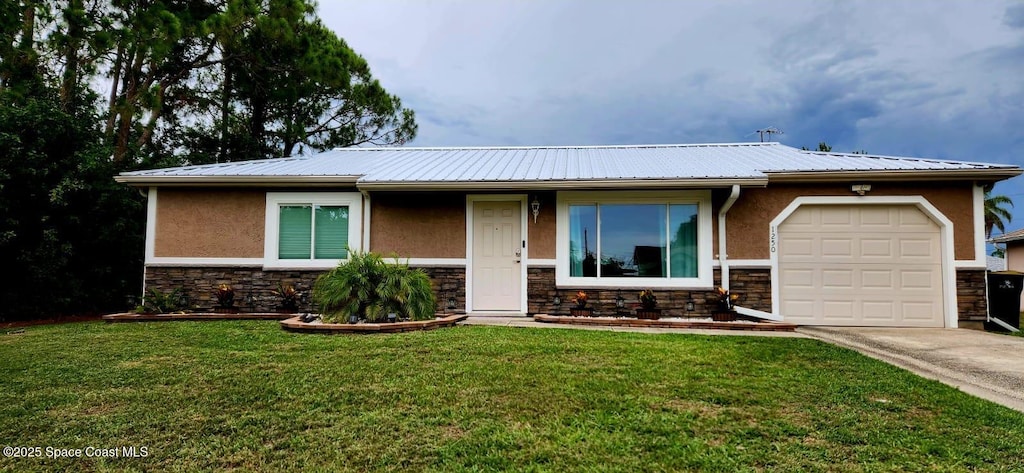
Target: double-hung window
(634,239)
(311,229)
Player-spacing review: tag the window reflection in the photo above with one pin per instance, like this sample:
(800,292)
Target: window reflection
(633,240)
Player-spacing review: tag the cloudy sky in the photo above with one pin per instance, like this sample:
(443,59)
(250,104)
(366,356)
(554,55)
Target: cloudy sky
(939,79)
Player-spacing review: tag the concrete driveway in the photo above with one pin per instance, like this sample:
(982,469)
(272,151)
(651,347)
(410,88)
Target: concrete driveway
(987,365)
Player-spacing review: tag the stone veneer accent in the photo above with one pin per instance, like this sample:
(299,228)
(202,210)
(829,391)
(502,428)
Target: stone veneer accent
(447,282)
(198,283)
(753,286)
(971,302)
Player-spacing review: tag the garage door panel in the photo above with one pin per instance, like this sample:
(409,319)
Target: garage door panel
(875,217)
(799,309)
(917,248)
(838,309)
(836,247)
(875,248)
(878,310)
(802,221)
(799,278)
(876,279)
(918,310)
(919,279)
(860,265)
(799,246)
(837,278)
(842,218)
(911,219)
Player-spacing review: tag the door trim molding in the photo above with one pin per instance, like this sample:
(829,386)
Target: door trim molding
(523,222)
(949,307)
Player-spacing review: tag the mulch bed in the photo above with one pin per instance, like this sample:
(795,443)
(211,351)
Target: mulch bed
(662,323)
(49,321)
(447,320)
(133,317)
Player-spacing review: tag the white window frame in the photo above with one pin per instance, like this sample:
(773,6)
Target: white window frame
(705,274)
(275,200)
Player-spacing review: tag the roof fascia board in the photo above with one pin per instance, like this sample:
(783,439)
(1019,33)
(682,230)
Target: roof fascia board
(894,175)
(1006,238)
(574,184)
(235,180)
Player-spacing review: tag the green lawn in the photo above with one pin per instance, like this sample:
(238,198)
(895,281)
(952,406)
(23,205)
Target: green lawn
(249,396)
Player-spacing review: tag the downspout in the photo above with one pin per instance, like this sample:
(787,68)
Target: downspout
(365,237)
(723,257)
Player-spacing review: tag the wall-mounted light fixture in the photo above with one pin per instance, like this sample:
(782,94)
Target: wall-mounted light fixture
(861,189)
(452,302)
(690,306)
(535,207)
(620,302)
(557,301)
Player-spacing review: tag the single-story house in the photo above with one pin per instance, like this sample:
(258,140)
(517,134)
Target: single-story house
(1013,248)
(1013,253)
(802,236)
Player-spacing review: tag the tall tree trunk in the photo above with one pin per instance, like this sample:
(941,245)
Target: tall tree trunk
(225,113)
(124,130)
(126,109)
(258,121)
(112,104)
(69,81)
(154,115)
(28,26)
(26,68)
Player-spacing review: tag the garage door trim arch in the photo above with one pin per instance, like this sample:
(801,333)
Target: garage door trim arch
(929,210)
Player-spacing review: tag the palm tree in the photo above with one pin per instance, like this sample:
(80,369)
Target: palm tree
(996,214)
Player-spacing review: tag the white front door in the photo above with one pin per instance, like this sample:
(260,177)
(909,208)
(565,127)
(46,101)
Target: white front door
(497,256)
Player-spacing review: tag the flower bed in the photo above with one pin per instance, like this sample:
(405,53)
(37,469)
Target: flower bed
(444,320)
(705,323)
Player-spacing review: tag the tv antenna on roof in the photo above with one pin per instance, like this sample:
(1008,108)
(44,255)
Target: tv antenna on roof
(769,131)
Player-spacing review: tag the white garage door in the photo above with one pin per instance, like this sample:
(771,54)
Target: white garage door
(867,265)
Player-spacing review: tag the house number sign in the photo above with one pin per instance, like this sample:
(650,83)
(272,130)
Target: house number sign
(771,240)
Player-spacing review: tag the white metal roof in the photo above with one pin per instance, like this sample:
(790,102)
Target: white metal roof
(699,164)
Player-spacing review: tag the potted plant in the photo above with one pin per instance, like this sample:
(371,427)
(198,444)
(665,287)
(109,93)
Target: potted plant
(648,306)
(289,298)
(581,309)
(225,299)
(725,310)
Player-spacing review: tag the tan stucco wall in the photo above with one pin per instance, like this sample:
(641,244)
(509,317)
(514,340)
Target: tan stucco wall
(749,218)
(210,223)
(419,225)
(542,234)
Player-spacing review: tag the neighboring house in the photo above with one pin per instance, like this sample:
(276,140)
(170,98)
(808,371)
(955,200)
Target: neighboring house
(1013,245)
(805,236)
(1013,249)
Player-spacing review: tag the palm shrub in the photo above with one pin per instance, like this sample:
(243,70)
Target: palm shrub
(370,288)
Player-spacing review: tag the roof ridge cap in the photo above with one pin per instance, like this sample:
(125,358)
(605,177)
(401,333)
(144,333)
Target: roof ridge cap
(538,147)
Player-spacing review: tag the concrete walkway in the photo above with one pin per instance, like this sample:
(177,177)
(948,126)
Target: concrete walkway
(524,321)
(987,365)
